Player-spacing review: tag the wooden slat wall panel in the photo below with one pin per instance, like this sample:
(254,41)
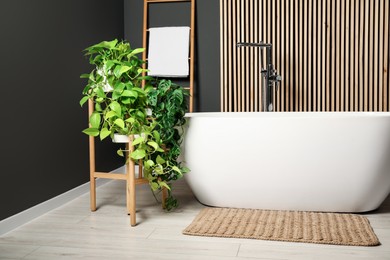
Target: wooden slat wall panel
(332,55)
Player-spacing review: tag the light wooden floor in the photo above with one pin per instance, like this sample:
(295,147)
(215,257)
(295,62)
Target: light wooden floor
(73,232)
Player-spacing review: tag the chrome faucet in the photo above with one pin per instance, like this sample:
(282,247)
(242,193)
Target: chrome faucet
(269,73)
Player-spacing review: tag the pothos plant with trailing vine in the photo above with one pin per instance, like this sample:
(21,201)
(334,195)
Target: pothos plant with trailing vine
(168,103)
(121,106)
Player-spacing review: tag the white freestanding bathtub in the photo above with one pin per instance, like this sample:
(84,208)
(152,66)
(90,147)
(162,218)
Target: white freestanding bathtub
(317,161)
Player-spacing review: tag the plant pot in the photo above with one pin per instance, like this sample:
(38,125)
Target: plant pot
(118,138)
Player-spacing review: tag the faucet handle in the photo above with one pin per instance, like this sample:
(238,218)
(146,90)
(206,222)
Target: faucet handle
(275,78)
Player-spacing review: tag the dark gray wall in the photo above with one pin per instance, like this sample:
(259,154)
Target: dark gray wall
(41,59)
(206,36)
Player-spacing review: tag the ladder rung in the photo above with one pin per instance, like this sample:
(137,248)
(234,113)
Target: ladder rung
(149,30)
(113,176)
(188,58)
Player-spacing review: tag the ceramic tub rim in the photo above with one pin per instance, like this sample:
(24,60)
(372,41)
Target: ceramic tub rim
(286,114)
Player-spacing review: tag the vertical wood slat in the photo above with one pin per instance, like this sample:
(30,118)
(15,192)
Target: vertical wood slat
(275,23)
(332,55)
(287,79)
(318,48)
(290,93)
(324,41)
(309,56)
(243,80)
(362,53)
(351,55)
(380,56)
(251,39)
(375,56)
(328,55)
(229,53)
(342,55)
(337,57)
(247,82)
(386,79)
(371,57)
(234,83)
(301,62)
(305,64)
(296,57)
(281,56)
(356,54)
(239,58)
(223,50)
(346,57)
(314,56)
(333,78)
(256,54)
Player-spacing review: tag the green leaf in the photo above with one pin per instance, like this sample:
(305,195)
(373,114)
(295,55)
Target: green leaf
(91,131)
(138,154)
(115,106)
(136,51)
(126,100)
(120,152)
(104,44)
(176,169)
(156,136)
(140,115)
(124,69)
(159,169)
(119,70)
(83,100)
(119,122)
(129,93)
(160,160)
(104,133)
(84,76)
(138,140)
(149,163)
(130,120)
(119,87)
(154,186)
(153,144)
(109,65)
(115,95)
(110,114)
(100,92)
(94,120)
(91,77)
(185,170)
(164,184)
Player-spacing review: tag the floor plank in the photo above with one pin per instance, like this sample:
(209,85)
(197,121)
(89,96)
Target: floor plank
(73,232)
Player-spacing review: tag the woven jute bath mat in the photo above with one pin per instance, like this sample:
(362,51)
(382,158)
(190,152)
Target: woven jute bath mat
(292,226)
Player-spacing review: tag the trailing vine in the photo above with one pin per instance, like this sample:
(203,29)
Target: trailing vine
(169,104)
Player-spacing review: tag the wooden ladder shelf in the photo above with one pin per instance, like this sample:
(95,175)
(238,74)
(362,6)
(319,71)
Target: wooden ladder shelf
(192,41)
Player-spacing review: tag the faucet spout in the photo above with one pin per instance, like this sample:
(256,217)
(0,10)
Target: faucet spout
(254,44)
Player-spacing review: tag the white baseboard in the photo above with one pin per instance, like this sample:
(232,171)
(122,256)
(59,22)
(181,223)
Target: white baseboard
(27,215)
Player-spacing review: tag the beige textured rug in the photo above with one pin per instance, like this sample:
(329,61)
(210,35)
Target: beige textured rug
(292,226)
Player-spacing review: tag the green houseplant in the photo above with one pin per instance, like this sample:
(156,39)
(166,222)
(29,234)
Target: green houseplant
(123,106)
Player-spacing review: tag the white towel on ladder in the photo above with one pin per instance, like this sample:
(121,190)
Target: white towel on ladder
(168,51)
